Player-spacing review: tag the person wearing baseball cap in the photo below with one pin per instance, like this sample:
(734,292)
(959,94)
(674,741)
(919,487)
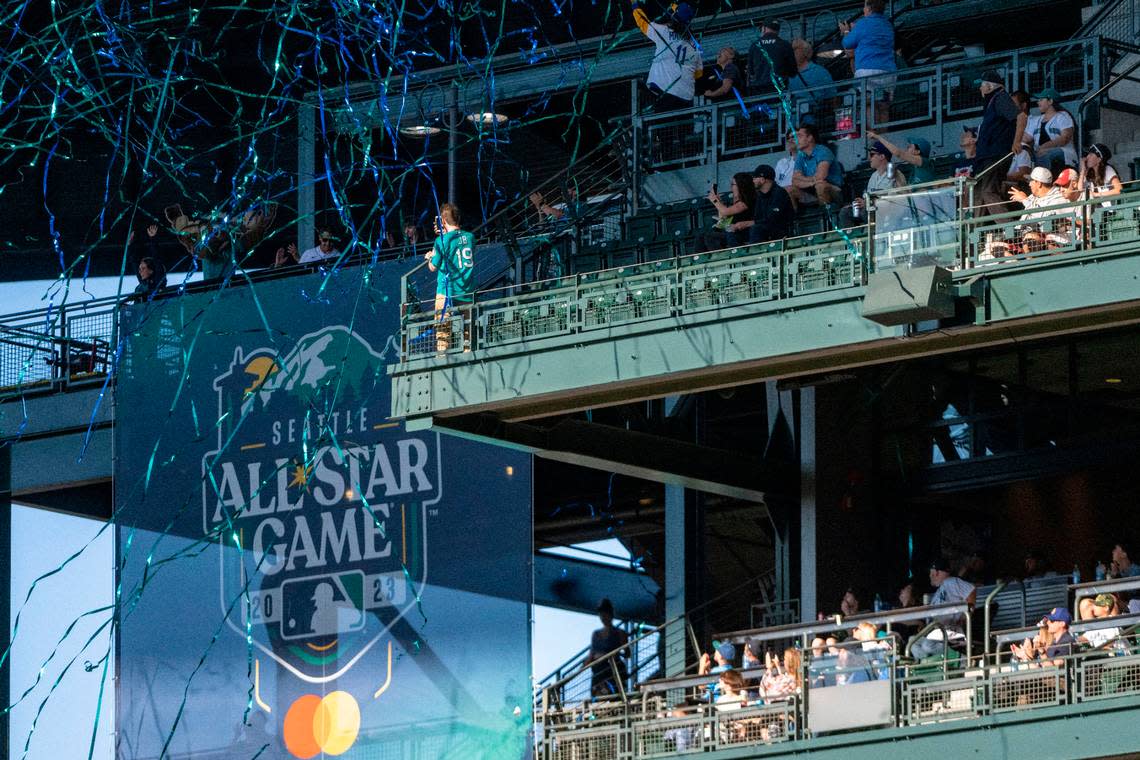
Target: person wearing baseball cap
(949,588)
(916,153)
(993,153)
(1052,644)
(724,652)
(772,212)
(676,62)
(1053,132)
(771,60)
(883,177)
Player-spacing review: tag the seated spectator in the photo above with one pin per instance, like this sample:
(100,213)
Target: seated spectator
(731,688)
(1053,133)
(948,589)
(1098,177)
(1042,194)
(786,166)
(1036,566)
(727,74)
(821,668)
(324,249)
(1060,641)
(718,662)
(152,277)
(811,81)
(852,666)
(750,659)
(771,60)
(964,161)
(1125,567)
(883,177)
(916,154)
(782,679)
(772,212)
(849,604)
(286,255)
(1022,162)
(818,177)
(875,649)
(733,219)
(1097,608)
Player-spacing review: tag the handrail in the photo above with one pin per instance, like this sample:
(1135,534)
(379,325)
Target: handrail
(1095,94)
(1001,584)
(923,632)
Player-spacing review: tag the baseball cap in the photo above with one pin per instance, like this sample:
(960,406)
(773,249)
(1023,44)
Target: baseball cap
(879,148)
(1041,174)
(921,143)
(756,646)
(940,564)
(765,171)
(684,13)
(727,651)
(1066,177)
(771,23)
(1103,600)
(1058,615)
(990,76)
(327,236)
(1048,93)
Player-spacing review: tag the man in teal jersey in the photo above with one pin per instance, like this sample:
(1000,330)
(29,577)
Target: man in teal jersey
(451,257)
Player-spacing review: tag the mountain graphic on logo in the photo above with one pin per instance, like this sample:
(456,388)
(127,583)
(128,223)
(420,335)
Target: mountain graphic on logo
(323,360)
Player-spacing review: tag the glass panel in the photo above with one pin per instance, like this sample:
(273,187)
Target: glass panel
(917,226)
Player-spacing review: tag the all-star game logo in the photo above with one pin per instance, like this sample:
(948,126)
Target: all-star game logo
(328,502)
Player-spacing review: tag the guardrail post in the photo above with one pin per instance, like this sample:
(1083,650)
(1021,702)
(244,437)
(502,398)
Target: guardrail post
(636,125)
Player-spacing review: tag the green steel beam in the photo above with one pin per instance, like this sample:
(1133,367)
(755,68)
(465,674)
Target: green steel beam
(748,343)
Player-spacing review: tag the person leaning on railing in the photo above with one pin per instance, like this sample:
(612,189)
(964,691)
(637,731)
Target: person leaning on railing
(995,142)
(452,258)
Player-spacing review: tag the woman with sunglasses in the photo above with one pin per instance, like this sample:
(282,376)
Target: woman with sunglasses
(1098,176)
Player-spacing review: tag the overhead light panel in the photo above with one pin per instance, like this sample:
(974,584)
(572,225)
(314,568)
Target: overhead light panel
(487,118)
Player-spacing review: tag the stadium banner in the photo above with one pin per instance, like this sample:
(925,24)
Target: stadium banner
(299,576)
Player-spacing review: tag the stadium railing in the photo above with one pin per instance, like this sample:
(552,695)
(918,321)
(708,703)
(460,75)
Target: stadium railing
(936,228)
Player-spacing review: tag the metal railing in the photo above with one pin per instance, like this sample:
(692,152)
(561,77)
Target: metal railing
(781,271)
(841,687)
(69,345)
(921,96)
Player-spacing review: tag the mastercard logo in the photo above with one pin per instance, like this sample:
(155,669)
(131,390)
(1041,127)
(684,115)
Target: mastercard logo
(328,724)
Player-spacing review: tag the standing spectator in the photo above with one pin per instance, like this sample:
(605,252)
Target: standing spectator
(1098,176)
(733,220)
(818,177)
(452,258)
(916,153)
(152,277)
(948,589)
(995,141)
(324,249)
(812,82)
(964,161)
(603,641)
(771,60)
(883,177)
(1021,99)
(728,74)
(1125,567)
(676,60)
(786,166)
(1053,133)
(773,213)
(872,41)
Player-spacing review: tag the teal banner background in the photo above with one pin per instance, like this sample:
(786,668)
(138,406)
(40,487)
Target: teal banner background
(299,576)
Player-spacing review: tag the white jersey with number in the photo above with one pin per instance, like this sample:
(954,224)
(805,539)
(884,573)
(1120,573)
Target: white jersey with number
(675,61)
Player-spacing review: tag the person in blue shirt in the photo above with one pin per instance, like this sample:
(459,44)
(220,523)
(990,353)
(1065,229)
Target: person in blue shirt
(817,175)
(811,81)
(871,40)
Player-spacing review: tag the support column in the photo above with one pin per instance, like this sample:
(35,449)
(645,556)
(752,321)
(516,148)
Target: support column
(452,141)
(782,441)
(306,175)
(675,573)
(5,588)
(808,575)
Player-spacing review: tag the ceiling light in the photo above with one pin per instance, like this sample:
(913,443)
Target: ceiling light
(420,130)
(1113,380)
(487,118)
(830,53)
